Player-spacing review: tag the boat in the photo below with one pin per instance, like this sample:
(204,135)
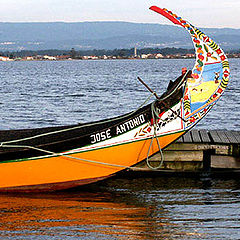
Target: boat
(58,158)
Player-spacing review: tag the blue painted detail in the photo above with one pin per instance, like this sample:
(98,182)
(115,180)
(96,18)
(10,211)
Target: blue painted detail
(210,71)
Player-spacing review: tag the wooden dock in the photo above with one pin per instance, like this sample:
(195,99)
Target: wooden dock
(201,151)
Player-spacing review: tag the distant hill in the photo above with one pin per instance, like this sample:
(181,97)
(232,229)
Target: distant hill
(104,35)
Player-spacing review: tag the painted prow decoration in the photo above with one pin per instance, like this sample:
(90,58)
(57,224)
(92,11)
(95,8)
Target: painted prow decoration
(209,76)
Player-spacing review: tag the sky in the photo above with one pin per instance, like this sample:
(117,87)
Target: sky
(203,13)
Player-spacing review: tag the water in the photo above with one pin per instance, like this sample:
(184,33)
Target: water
(141,208)
(37,94)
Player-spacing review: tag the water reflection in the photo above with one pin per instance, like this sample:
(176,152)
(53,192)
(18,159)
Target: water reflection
(140,208)
(81,214)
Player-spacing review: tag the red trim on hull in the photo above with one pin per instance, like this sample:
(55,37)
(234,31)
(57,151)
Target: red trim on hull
(52,187)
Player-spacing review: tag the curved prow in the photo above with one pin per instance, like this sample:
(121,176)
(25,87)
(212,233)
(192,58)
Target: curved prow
(210,74)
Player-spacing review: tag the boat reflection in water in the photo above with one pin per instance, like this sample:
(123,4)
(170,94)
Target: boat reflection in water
(77,215)
(118,209)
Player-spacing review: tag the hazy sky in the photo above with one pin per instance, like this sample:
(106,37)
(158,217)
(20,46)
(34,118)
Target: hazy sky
(203,13)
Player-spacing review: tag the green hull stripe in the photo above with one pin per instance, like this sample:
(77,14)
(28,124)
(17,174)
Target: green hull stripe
(89,150)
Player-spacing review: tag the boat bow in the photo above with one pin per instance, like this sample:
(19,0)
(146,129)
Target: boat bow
(210,74)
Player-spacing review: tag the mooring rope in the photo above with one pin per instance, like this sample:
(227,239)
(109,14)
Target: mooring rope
(53,154)
(7,144)
(155,117)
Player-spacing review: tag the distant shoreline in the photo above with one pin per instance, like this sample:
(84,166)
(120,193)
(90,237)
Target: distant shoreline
(102,54)
(98,59)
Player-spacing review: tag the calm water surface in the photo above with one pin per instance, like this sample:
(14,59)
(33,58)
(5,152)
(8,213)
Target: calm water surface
(140,208)
(37,94)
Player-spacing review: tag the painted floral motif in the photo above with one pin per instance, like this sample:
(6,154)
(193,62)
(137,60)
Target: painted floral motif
(210,55)
(207,52)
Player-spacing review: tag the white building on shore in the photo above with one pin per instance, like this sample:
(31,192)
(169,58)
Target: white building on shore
(5,59)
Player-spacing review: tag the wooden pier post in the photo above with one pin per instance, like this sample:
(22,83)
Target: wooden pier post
(207,159)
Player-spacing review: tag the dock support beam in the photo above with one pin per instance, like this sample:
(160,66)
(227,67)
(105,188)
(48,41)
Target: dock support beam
(207,162)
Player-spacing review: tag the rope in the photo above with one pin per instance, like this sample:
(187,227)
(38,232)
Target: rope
(155,117)
(53,154)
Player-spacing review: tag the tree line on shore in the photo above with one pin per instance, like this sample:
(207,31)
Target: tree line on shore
(75,54)
(97,52)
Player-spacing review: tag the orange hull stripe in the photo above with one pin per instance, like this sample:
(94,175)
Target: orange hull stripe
(62,169)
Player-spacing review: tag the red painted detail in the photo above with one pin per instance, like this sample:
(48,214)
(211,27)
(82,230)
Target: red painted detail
(226,73)
(220,90)
(200,56)
(186,97)
(212,63)
(192,75)
(222,57)
(206,39)
(183,21)
(195,75)
(166,14)
(196,41)
(184,70)
(151,121)
(218,51)
(160,115)
(149,129)
(192,119)
(187,112)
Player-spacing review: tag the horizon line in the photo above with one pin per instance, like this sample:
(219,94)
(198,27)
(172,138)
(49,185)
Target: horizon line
(105,21)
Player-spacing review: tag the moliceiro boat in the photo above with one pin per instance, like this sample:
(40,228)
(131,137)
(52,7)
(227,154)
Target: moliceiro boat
(55,158)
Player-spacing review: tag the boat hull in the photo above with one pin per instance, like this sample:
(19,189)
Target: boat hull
(63,172)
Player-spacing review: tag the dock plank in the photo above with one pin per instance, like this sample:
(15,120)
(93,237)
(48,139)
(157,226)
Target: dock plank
(196,136)
(180,140)
(204,136)
(215,137)
(181,156)
(212,136)
(223,136)
(187,137)
(230,135)
(236,135)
